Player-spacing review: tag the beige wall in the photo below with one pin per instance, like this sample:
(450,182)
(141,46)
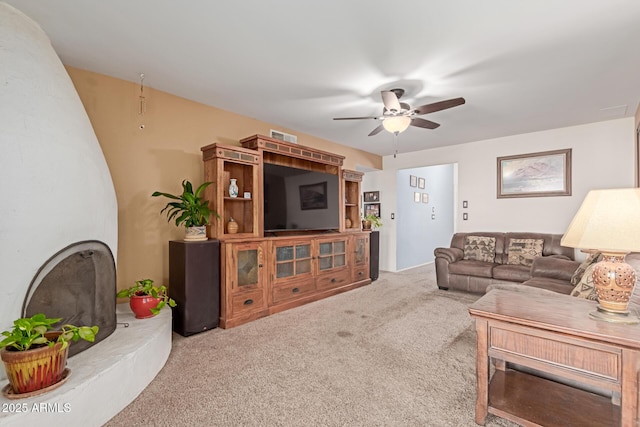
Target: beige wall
(637,153)
(160,156)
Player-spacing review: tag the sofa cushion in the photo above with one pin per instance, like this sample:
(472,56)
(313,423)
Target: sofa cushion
(585,287)
(471,268)
(555,285)
(512,273)
(524,251)
(479,248)
(591,259)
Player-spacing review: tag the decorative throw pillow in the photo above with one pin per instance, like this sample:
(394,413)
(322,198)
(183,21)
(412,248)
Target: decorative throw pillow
(478,248)
(524,251)
(577,275)
(585,287)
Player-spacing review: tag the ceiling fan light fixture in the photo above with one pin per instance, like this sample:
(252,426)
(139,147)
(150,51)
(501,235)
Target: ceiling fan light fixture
(396,124)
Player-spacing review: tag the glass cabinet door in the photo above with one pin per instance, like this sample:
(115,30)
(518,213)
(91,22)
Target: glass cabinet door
(293,260)
(360,251)
(248,265)
(332,254)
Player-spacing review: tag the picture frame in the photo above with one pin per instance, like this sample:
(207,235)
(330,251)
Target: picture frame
(372,208)
(371,196)
(313,196)
(413,180)
(425,197)
(421,182)
(417,197)
(542,174)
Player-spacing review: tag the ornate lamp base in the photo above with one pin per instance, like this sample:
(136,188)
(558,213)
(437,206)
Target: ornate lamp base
(625,317)
(614,281)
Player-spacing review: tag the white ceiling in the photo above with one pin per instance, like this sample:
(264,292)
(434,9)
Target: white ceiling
(521,65)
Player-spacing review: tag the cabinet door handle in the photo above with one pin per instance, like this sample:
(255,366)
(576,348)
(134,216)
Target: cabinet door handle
(260,265)
(295,290)
(248,302)
(333,280)
(360,273)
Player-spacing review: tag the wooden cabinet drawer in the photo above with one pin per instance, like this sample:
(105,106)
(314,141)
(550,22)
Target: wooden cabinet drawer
(247,301)
(333,279)
(292,290)
(360,273)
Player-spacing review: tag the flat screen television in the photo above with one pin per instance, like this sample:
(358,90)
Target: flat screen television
(300,199)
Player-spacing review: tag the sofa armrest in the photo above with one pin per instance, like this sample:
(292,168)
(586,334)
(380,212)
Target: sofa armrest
(449,254)
(555,267)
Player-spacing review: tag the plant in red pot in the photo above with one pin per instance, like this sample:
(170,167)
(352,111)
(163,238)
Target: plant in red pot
(145,299)
(35,355)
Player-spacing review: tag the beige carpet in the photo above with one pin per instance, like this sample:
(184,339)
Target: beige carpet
(398,352)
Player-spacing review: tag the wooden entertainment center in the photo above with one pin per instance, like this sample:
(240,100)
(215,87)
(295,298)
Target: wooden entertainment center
(265,273)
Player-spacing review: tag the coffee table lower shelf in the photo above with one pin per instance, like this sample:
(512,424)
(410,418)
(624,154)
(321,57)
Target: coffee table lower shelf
(530,400)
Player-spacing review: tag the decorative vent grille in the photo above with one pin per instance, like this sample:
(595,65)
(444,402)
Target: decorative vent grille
(275,134)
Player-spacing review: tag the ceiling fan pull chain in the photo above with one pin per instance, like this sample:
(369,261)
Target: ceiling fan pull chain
(395,143)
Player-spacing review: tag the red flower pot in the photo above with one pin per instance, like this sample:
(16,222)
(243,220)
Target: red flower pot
(141,305)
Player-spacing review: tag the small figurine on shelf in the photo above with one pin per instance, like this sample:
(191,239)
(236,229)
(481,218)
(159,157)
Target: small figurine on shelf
(347,223)
(232,226)
(233,188)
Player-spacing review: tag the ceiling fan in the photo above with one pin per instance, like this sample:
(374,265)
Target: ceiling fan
(398,116)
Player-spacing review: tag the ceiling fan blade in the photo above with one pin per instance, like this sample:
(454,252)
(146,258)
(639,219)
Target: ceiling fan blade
(354,118)
(423,123)
(437,106)
(390,100)
(376,130)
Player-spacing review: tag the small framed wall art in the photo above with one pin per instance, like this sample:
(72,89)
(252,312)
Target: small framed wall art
(417,197)
(421,183)
(425,197)
(372,208)
(371,196)
(413,180)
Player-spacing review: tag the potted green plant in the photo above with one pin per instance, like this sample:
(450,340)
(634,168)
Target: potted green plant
(145,299)
(190,210)
(371,220)
(35,355)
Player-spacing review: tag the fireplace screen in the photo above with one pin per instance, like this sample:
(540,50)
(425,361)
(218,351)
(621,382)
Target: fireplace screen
(79,285)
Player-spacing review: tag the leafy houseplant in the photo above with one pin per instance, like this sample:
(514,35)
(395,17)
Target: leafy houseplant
(371,220)
(189,209)
(35,355)
(145,299)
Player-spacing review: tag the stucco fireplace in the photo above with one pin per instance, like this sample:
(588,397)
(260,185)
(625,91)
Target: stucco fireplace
(58,234)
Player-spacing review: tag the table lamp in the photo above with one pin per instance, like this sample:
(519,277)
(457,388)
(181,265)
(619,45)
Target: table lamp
(609,221)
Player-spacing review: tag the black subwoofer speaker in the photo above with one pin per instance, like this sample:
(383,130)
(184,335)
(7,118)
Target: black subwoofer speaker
(374,255)
(194,283)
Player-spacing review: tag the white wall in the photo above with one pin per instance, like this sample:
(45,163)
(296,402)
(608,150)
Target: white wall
(421,227)
(603,157)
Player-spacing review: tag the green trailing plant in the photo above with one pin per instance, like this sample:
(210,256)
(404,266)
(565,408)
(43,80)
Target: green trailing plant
(145,287)
(29,332)
(375,220)
(189,208)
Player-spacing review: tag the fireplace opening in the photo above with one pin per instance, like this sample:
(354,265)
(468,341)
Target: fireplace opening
(77,284)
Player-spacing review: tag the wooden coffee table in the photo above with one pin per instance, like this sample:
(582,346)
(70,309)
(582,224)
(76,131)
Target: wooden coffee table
(553,336)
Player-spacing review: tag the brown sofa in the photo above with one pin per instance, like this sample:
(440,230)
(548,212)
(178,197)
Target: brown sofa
(552,271)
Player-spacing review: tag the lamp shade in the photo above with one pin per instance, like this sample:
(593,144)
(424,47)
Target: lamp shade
(396,124)
(608,220)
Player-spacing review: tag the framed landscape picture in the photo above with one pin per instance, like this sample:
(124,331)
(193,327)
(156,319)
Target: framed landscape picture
(541,174)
